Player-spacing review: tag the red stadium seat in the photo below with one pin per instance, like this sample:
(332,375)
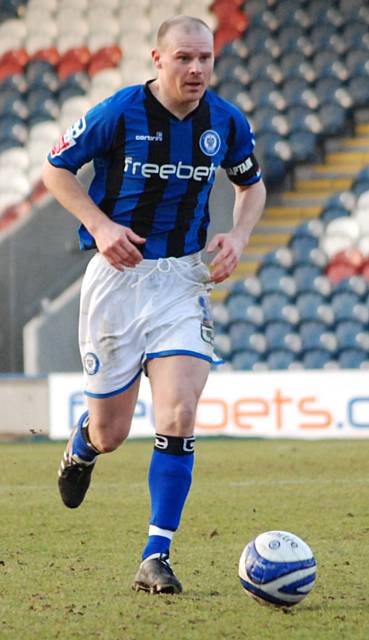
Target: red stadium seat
(364,271)
(50,54)
(105,58)
(344,265)
(232,23)
(18,56)
(9,69)
(73,61)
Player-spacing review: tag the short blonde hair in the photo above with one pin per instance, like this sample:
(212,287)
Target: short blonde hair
(187,22)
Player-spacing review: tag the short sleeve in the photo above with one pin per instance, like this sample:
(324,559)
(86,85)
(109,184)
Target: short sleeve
(240,163)
(90,137)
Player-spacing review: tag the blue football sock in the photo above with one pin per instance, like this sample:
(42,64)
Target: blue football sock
(82,446)
(170,476)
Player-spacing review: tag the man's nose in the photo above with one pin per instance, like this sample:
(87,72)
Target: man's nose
(195,66)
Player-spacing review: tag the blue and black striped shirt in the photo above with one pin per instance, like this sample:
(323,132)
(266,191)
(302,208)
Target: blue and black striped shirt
(153,171)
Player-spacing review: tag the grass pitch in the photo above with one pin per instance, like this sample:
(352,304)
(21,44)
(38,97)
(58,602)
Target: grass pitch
(68,573)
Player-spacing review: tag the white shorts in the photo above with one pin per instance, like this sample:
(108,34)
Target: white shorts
(159,308)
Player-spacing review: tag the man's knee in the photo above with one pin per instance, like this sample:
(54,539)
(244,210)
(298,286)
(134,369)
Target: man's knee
(107,436)
(178,420)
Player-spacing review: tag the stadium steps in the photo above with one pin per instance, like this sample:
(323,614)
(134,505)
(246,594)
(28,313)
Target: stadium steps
(313,186)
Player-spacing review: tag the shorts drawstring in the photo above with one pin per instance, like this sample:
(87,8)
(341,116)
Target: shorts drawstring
(164,265)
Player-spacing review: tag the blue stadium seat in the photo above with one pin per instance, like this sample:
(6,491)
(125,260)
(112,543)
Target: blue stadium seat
(240,332)
(224,66)
(246,360)
(279,334)
(308,303)
(342,303)
(333,118)
(270,276)
(331,213)
(13,130)
(76,84)
(41,73)
(302,247)
(274,168)
(303,119)
(356,284)
(305,276)
(347,332)
(358,88)
(360,186)
(314,335)
(42,105)
(274,306)
(280,359)
(354,31)
(316,358)
(238,304)
(352,358)
(230,89)
(12,103)
(280,257)
(303,146)
(343,199)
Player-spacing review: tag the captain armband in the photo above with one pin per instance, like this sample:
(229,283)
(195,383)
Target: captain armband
(242,173)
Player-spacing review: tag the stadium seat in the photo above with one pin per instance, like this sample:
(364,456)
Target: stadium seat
(280,359)
(105,57)
(343,303)
(303,146)
(240,333)
(280,257)
(331,213)
(13,130)
(42,105)
(75,84)
(305,275)
(344,264)
(270,276)
(309,305)
(246,360)
(333,119)
(317,359)
(302,246)
(314,335)
(353,358)
(237,306)
(356,284)
(274,306)
(280,334)
(348,334)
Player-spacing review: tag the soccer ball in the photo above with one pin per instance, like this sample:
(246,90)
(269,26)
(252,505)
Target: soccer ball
(277,568)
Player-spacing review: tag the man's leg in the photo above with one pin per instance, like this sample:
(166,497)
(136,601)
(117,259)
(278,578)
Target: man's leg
(101,429)
(177,383)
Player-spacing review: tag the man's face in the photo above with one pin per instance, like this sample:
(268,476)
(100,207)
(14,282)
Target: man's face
(185,63)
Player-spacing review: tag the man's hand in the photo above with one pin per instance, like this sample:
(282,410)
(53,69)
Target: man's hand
(227,258)
(117,244)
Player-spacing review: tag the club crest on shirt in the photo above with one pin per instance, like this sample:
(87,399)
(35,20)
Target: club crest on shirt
(210,142)
(91,363)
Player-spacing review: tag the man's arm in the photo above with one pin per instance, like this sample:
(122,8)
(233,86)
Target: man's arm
(114,241)
(248,208)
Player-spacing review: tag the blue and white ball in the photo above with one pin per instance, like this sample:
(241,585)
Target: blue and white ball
(277,568)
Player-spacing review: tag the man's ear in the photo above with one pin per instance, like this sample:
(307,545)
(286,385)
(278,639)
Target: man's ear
(155,56)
